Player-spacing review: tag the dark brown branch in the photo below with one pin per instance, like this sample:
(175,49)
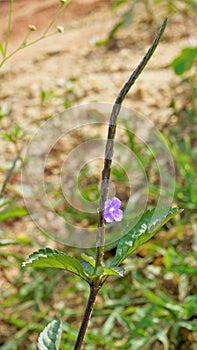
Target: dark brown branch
(88,311)
(110,143)
(94,289)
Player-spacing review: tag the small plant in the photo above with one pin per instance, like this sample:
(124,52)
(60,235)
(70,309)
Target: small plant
(26,41)
(126,15)
(96,270)
(183,145)
(15,134)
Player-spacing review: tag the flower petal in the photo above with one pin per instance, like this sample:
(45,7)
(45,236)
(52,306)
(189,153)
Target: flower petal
(107,204)
(118,215)
(112,211)
(109,217)
(116,203)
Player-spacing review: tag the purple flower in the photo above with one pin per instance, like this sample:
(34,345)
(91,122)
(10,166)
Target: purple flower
(112,211)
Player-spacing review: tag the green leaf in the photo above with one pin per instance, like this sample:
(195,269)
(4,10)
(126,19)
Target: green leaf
(15,131)
(50,338)
(125,20)
(12,212)
(184,61)
(113,271)
(56,259)
(13,321)
(150,222)
(5,136)
(6,241)
(88,259)
(87,268)
(10,241)
(162,337)
(24,44)
(116,3)
(89,263)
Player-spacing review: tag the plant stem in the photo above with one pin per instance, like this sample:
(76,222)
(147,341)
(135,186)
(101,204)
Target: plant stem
(56,15)
(88,311)
(100,242)
(20,47)
(43,36)
(8,28)
(9,173)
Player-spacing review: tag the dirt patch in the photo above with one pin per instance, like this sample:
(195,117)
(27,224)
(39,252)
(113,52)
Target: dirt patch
(39,13)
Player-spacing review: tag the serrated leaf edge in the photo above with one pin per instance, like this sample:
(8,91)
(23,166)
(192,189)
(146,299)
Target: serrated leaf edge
(48,252)
(45,333)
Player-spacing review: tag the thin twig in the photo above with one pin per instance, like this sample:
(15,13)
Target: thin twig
(21,46)
(8,28)
(44,35)
(100,242)
(56,15)
(9,173)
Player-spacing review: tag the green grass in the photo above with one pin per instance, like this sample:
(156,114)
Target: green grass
(155,301)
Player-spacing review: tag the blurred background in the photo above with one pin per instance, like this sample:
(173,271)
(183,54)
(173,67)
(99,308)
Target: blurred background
(155,305)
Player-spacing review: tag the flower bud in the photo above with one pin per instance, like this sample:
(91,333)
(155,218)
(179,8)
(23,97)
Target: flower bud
(60,29)
(32,27)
